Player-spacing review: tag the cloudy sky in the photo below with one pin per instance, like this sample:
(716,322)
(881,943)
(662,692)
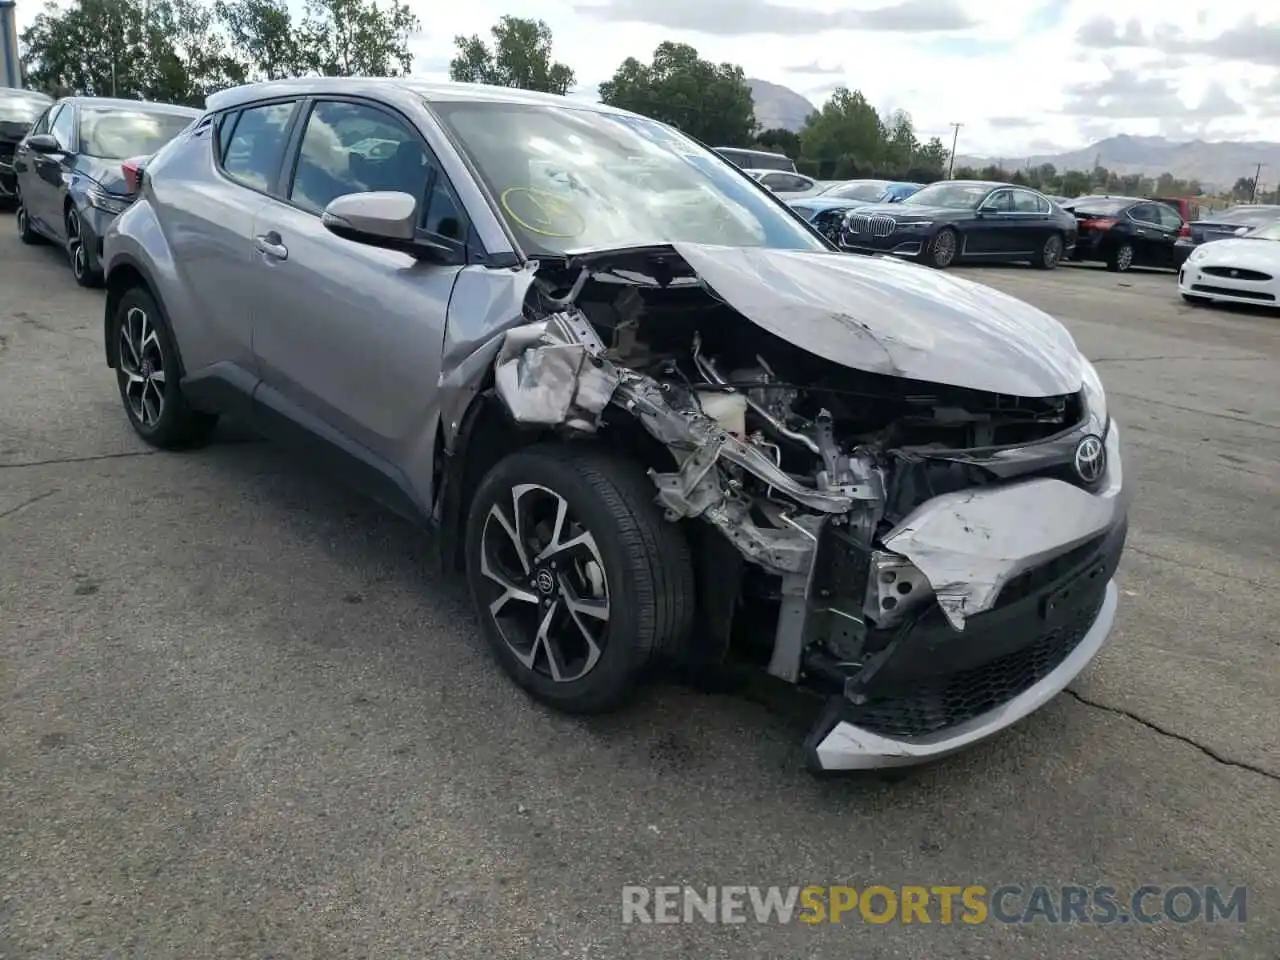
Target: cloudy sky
(1024,76)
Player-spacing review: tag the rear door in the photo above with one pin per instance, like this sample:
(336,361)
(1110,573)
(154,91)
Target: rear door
(348,336)
(1147,229)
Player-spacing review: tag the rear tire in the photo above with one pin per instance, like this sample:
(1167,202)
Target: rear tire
(1121,258)
(1050,253)
(149,376)
(617,557)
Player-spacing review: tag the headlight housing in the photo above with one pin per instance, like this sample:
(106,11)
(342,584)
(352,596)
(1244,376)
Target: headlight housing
(107,202)
(1095,400)
(915,224)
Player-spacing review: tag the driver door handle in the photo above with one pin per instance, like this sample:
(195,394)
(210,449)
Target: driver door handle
(271,245)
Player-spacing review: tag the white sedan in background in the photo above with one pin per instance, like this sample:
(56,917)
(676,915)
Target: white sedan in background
(1244,269)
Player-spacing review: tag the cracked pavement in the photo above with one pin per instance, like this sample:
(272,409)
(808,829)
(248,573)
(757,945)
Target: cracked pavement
(240,718)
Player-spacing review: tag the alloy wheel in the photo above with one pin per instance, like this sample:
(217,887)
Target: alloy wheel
(548,593)
(1124,257)
(75,246)
(22,219)
(944,248)
(142,367)
(1052,251)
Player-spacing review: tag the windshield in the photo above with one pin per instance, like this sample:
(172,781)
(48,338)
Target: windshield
(569,179)
(859,190)
(956,196)
(1248,216)
(1269,232)
(21,106)
(118,134)
(1104,206)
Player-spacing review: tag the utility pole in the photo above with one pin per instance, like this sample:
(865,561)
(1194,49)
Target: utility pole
(955,136)
(1253,193)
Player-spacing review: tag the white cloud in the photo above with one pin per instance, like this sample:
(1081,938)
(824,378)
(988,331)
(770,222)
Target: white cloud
(1006,77)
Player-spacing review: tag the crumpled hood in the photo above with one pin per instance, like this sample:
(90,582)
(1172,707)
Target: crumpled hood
(11,131)
(881,315)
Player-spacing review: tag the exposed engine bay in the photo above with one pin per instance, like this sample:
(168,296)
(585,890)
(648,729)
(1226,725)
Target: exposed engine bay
(832,483)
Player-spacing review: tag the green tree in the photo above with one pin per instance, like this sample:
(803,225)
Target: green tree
(710,102)
(358,38)
(845,137)
(165,50)
(933,157)
(520,57)
(781,141)
(900,144)
(263,31)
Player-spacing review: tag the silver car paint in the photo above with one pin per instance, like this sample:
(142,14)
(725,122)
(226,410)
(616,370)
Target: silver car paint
(881,315)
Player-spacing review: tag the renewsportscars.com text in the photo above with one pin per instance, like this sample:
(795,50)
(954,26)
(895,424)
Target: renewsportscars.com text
(945,905)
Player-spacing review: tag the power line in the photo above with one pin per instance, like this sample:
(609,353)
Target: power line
(955,136)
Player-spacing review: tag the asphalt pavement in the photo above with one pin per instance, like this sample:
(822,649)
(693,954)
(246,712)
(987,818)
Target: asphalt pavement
(240,718)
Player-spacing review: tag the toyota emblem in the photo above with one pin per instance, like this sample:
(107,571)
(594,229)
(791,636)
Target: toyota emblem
(545,581)
(1090,459)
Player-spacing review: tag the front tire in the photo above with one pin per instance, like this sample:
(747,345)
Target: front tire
(1121,258)
(26,233)
(149,376)
(578,581)
(82,269)
(1050,254)
(942,250)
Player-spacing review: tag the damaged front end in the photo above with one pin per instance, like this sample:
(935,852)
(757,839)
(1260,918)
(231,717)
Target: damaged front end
(928,540)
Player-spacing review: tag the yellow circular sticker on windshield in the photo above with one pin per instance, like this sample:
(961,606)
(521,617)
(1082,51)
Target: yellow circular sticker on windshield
(543,213)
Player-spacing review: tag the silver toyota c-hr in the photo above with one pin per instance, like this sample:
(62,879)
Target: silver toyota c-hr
(649,411)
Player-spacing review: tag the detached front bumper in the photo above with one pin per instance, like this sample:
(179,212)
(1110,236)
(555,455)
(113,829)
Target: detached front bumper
(1030,617)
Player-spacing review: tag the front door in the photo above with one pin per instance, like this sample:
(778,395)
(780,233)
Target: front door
(989,234)
(1147,234)
(42,193)
(348,336)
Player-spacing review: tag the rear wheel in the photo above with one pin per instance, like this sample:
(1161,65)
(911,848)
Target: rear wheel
(1050,254)
(942,250)
(1121,258)
(578,580)
(26,233)
(148,375)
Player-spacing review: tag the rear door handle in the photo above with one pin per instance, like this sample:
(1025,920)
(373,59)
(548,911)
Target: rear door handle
(271,245)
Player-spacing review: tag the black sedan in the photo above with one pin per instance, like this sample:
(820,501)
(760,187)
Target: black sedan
(1125,232)
(964,220)
(19,109)
(71,171)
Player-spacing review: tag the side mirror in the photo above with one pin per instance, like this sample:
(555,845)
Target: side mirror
(984,210)
(43,143)
(386,219)
(1241,231)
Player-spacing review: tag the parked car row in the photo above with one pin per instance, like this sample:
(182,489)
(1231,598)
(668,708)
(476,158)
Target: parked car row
(632,449)
(75,169)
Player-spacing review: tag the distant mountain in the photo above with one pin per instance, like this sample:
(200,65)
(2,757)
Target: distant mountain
(779,107)
(1216,165)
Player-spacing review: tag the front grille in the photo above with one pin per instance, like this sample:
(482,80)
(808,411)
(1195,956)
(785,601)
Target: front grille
(861,225)
(1235,273)
(1232,292)
(935,704)
(6,152)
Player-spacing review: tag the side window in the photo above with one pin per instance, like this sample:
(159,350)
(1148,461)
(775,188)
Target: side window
(773,181)
(1024,202)
(1001,200)
(800,183)
(256,144)
(226,125)
(1146,213)
(64,127)
(1170,218)
(355,148)
(42,125)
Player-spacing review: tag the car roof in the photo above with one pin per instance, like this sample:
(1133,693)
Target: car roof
(992,184)
(124,104)
(427,90)
(1112,196)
